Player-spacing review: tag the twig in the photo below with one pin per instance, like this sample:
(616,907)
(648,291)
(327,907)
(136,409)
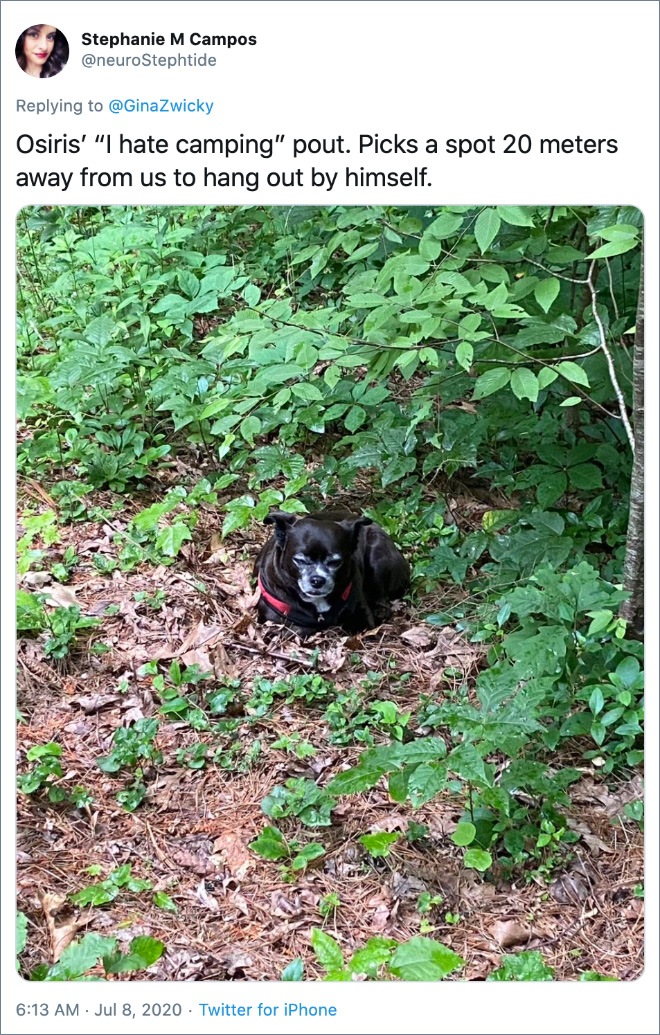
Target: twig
(610,362)
(612,295)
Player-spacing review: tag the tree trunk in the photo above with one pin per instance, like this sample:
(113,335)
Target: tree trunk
(632,609)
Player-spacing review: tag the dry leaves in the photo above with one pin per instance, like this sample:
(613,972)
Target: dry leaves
(60,936)
(234,854)
(510,933)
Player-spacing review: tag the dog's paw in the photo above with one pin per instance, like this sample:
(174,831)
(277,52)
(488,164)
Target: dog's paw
(382,612)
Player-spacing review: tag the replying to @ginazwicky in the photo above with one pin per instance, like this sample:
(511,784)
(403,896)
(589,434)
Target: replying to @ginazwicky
(214,161)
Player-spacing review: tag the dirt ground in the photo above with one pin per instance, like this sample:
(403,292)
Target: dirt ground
(237,917)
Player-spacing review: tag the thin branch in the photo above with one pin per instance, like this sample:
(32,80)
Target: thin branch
(553,273)
(612,295)
(610,362)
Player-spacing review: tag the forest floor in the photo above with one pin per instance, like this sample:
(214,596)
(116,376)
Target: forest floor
(238,917)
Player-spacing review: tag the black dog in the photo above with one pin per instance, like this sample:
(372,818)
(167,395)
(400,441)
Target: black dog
(329,568)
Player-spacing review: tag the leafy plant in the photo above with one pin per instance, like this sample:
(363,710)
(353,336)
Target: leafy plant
(46,772)
(419,959)
(302,798)
(378,845)
(63,623)
(522,966)
(86,954)
(107,890)
(271,844)
(21,935)
(133,748)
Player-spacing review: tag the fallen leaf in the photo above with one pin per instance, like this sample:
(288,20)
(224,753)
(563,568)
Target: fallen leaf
(333,659)
(201,636)
(569,889)
(94,702)
(233,853)
(206,899)
(592,840)
(235,959)
(58,595)
(36,579)
(60,936)
(406,887)
(199,658)
(508,933)
(418,636)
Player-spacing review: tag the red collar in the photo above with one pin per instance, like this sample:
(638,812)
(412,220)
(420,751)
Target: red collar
(283,608)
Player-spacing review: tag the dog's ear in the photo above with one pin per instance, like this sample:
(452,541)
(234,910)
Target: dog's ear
(282,522)
(354,526)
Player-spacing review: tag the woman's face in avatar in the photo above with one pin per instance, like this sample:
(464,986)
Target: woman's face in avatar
(39,43)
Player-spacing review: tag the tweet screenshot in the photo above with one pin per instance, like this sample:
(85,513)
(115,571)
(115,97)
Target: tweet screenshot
(323,545)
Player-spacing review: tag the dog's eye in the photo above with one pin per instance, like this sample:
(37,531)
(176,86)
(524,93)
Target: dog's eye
(332,562)
(302,560)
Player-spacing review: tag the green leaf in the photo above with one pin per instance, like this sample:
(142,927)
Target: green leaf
(306,855)
(356,780)
(327,950)
(573,372)
(618,247)
(572,400)
(516,215)
(188,283)
(249,428)
(21,932)
(354,418)
(477,859)
(294,971)
(172,537)
(596,701)
(82,956)
(251,294)
(467,763)
(546,376)
(100,331)
(464,834)
(491,381)
(563,255)
(522,966)
(423,959)
(378,845)
(464,354)
(600,621)
(425,781)
(486,228)
(612,233)
(163,901)
(524,384)
(628,672)
(142,953)
(546,291)
(270,844)
(551,488)
(44,751)
(585,476)
(445,225)
(371,958)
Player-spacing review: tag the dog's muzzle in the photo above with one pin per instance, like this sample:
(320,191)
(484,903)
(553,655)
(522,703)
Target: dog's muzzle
(316,583)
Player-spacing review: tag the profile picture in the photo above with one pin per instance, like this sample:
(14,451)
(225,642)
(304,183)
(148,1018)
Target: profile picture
(42,50)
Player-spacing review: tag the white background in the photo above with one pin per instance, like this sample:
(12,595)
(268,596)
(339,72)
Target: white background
(433,69)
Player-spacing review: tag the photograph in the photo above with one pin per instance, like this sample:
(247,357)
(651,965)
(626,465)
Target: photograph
(42,51)
(330,590)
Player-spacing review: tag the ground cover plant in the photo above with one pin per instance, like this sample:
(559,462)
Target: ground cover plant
(456,795)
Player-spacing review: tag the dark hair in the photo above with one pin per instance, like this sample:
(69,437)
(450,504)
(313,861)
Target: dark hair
(58,56)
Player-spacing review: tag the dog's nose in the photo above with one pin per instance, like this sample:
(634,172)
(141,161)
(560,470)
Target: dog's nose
(317,581)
